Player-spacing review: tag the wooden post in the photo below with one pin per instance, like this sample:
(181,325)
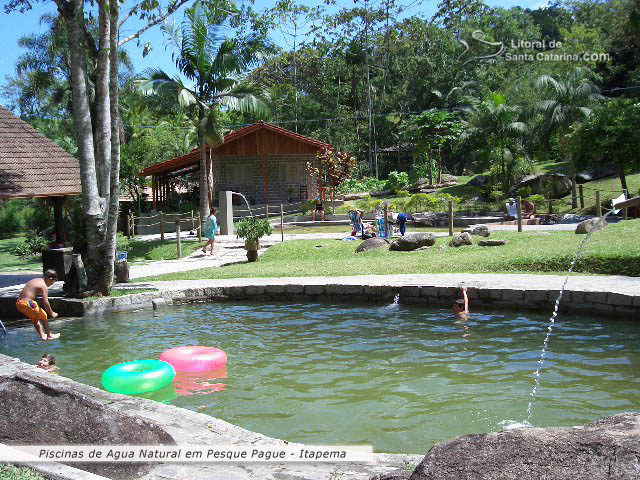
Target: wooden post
(386,230)
(178,244)
(598,204)
(161,228)
(550,206)
(282,222)
(519,214)
(574,200)
(192,221)
(133,225)
(580,187)
(127,228)
(450,218)
(199,228)
(625,214)
(266,211)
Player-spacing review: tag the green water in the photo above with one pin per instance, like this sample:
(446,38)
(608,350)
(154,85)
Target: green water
(398,377)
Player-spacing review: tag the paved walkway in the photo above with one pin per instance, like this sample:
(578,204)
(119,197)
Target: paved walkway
(587,283)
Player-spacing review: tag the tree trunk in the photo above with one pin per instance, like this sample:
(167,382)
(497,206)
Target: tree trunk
(114,181)
(623,178)
(204,194)
(102,117)
(93,205)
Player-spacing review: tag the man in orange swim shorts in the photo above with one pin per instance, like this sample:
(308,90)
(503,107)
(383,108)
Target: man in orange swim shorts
(27,304)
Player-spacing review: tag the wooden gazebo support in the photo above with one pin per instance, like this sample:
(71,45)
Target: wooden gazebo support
(59,221)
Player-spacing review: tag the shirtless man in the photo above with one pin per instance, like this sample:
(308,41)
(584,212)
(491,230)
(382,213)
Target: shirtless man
(27,304)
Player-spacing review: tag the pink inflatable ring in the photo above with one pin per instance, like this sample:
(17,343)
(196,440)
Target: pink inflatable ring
(194,359)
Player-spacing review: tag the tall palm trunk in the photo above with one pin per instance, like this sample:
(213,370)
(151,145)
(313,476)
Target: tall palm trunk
(106,280)
(204,194)
(93,205)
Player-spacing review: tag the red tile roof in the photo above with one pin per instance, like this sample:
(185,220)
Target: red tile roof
(192,157)
(31,165)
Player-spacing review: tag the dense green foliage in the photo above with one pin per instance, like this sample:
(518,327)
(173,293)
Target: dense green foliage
(400,93)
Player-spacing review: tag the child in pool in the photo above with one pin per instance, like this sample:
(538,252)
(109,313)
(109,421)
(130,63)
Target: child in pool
(461,305)
(27,304)
(48,363)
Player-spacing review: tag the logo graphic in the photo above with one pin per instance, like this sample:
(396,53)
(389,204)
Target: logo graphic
(479,36)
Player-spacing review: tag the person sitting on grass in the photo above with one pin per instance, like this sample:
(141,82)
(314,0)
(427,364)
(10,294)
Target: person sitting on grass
(210,229)
(28,305)
(461,305)
(48,363)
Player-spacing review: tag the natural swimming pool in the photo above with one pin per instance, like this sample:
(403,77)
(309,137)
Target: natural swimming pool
(398,377)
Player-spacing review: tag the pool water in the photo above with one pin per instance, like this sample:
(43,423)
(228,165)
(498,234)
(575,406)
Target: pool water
(398,377)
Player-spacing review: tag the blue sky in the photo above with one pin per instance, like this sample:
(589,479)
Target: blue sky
(15,25)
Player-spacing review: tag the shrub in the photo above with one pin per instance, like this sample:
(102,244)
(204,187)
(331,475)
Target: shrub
(538,200)
(397,181)
(252,228)
(524,192)
(39,216)
(123,244)
(421,202)
(33,245)
(10,223)
(354,185)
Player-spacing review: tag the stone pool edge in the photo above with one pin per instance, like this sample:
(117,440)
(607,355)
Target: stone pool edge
(618,297)
(190,428)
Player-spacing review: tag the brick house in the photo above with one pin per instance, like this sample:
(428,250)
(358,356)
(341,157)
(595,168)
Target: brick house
(267,164)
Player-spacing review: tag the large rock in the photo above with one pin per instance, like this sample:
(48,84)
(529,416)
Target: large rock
(480,230)
(560,184)
(479,181)
(591,225)
(431,219)
(605,449)
(39,410)
(372,243)
(597,173)
(461,239)
(492,243)
(413,241)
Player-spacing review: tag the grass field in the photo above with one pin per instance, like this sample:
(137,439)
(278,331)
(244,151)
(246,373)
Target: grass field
(10,472)
(154,250)
(613,251)
(10,263)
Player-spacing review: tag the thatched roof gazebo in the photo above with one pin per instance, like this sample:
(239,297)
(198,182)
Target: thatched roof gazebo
(32,166)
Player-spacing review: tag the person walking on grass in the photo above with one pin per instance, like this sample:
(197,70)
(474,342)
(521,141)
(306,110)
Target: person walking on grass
(210,229)
(28,305)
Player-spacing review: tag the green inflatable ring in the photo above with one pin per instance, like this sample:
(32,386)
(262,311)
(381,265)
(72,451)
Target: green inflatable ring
(138,377)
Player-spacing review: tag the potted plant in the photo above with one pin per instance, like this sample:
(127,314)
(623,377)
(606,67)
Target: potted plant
(290,193)
(252,229)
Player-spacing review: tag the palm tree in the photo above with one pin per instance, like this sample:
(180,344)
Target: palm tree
(494,124)
(565,103)
(215,65)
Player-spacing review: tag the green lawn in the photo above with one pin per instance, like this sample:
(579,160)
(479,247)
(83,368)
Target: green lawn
(11,472)
(613,251)
(610,188)
(10,263)
(154,250)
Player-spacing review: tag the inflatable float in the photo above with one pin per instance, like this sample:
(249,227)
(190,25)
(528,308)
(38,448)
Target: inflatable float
(139,376)
(194,359)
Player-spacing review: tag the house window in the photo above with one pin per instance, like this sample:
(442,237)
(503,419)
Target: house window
(237,174)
